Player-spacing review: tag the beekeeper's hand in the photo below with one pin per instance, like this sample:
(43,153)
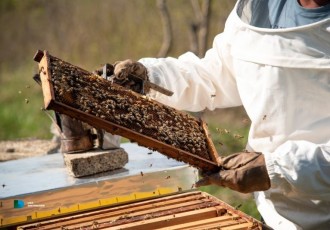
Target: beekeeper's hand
(242,172)
(132,75)
(127,67)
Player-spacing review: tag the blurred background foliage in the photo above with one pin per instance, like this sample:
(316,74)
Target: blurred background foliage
(87,33)
(90,33)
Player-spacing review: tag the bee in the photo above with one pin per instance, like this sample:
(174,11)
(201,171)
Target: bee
(237,136)
(95,225)
(245,121)
(226,131)
(264,117)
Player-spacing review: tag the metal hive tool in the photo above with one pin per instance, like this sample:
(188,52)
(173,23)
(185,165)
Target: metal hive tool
(83,95)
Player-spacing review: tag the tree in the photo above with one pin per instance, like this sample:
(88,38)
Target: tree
(199,29)
(167,28)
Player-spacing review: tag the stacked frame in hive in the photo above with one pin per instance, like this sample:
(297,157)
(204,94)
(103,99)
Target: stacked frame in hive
(83,95)
(190,210)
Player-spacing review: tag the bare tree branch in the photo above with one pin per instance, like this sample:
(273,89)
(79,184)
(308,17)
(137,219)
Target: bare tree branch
(167,28)
(197,9)
(194,38)
(194,27)
(204,27)
(200,28)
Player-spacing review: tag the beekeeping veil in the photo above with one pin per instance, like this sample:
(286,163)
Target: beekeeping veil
(257,8)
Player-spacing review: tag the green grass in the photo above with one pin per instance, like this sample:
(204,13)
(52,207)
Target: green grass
(20,105)
(227,138)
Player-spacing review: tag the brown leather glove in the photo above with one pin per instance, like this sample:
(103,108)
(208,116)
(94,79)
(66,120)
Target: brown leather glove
(124,68)
(131,75)
(242,172)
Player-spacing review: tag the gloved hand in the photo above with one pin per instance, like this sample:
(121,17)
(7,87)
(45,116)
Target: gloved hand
(132,75)
(243,172)
(129,74)
(129,67)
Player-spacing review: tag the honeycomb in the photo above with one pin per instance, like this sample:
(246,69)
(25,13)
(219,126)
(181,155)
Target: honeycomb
(91,94)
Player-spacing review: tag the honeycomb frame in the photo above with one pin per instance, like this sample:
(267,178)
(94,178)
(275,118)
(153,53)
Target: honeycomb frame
(82,95)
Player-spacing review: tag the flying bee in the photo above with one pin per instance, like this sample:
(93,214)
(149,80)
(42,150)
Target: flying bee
(245,121)
(226,131)
(237,136)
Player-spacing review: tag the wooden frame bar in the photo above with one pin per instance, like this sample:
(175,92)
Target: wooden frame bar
(190,210)
(51,103)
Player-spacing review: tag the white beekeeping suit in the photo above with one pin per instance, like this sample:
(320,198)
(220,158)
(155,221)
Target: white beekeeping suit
(282,78)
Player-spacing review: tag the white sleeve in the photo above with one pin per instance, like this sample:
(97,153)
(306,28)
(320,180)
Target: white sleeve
(304,165)
(197,83)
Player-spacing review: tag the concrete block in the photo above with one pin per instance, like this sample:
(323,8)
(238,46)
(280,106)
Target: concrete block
(95,161)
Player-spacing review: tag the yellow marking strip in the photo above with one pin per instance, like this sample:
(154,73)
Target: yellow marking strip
(84,206)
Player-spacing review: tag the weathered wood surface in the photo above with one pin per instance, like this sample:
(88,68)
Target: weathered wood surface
(190,210)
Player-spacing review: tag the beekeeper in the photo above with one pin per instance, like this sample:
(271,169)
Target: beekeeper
(274,59)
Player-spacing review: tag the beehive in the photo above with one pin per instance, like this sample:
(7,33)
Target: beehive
(191,210)
(83,95)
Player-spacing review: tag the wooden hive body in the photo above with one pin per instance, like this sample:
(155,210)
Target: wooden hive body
(191,210)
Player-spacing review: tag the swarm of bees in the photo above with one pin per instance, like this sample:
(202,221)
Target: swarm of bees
(96,96)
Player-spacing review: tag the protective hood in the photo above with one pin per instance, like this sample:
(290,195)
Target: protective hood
(299,47)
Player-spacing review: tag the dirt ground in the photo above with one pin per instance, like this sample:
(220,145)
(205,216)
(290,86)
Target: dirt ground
(22,148)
